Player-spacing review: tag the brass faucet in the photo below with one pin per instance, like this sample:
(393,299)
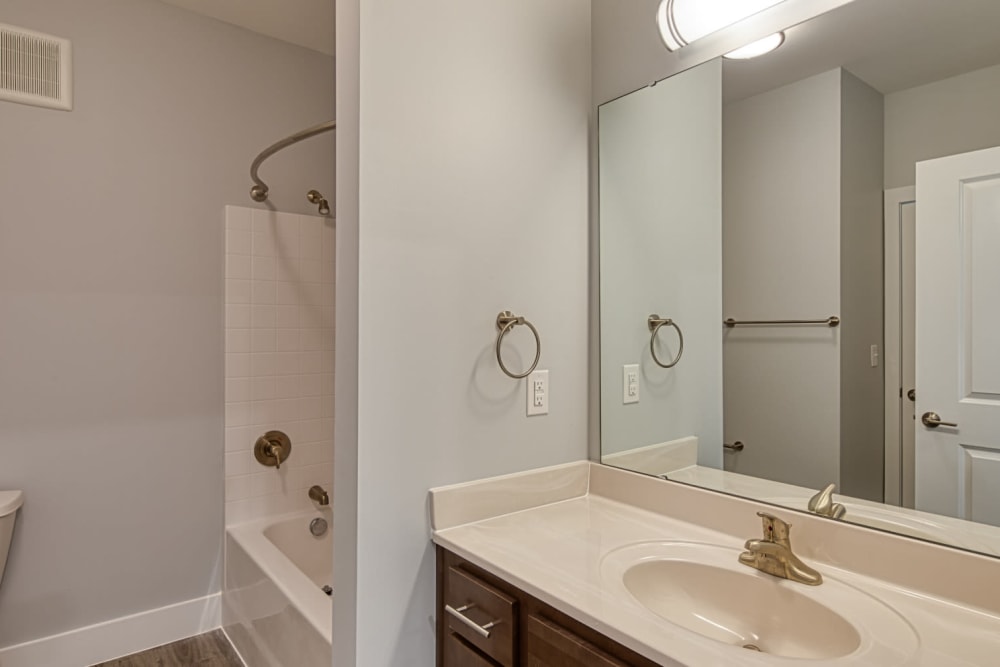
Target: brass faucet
(822,504)
(773,554)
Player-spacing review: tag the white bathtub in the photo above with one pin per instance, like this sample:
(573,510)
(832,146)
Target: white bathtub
(273,607)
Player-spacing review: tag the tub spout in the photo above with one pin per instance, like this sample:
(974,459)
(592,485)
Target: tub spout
(319,495)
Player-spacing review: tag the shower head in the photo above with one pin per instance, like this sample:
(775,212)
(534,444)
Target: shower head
(315,197)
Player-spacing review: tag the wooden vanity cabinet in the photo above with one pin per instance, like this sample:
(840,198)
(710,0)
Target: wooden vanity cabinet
(527,632)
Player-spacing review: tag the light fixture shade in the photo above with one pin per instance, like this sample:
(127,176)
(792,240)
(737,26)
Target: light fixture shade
(758,48)
(683,21)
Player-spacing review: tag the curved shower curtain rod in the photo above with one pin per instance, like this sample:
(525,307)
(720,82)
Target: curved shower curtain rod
(260,189)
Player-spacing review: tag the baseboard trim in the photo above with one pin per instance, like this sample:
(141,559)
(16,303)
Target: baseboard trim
(118,637)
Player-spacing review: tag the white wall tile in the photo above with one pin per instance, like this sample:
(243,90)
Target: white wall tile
(288,269)
(237,463)
(263,244)
(262,316)
(238,242)
(311,270)
(237,365)
(237,291)
(262,363)
(238,414)
(286,386)
(287,293)
(238,390)
(238,266)
(237,340)
(262,340)
(262,388)
(286,317)
(279,360)
(286,340)
(237,316)
(263,291)
(238,439)
(263,268)
(237,487)
(262,413)
(238,217)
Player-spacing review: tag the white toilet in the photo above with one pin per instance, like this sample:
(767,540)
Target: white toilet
(10,501)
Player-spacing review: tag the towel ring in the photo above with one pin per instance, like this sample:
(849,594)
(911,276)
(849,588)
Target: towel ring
(655,322)
(507,321)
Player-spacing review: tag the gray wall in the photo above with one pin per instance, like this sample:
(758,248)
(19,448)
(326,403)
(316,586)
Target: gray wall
(947,117)
(862,413)
(111,390)
(661,231)
(781,260)
(472,199)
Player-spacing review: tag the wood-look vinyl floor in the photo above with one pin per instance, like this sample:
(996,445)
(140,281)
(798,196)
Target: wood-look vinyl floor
(211,649)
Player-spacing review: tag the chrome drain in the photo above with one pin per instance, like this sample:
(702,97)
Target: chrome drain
(752,647)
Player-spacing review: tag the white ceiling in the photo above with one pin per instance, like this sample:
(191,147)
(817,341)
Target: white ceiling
(308,23)
(890,44)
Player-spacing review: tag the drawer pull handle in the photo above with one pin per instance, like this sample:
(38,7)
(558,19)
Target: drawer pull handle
(483,630)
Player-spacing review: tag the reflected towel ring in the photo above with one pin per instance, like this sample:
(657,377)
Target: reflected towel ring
(507,321)
(655,322)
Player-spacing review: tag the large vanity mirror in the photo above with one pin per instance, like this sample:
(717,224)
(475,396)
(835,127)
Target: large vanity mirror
(800,272)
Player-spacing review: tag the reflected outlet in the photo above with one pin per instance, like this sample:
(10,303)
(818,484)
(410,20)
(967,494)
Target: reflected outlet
(630,383)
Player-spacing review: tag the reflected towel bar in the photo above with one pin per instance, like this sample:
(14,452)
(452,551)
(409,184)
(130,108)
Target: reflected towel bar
(832,321)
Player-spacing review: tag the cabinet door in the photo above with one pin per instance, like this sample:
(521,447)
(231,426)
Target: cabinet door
(551,645)
(459,654)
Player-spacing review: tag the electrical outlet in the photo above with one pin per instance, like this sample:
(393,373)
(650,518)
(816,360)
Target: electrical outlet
(874,355)
(630,383)
(538,393)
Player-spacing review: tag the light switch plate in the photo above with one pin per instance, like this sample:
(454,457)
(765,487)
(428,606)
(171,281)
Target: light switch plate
(630,383)
(538,393)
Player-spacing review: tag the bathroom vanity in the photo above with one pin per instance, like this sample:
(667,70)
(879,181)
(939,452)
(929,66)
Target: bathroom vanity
(484,620)
(601,566)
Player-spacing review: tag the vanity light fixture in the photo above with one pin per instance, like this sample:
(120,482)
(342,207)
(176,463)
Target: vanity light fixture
(683,21)
(758,48)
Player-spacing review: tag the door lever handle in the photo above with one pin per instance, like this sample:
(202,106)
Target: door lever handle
(933,420)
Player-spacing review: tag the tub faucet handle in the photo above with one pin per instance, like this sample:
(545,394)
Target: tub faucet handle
(275,450)
(272,448)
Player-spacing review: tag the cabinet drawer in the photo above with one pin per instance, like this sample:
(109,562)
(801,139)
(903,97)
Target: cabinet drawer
(471,603)
(458,654)
(551,644)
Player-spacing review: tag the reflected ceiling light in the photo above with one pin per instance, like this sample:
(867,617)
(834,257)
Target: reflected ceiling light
(758,48)
(683,21)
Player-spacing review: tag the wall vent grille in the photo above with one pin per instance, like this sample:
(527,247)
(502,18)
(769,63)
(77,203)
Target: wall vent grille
(35,68)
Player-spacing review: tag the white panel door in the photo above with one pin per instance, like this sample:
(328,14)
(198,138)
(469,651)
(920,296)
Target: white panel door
(958,335)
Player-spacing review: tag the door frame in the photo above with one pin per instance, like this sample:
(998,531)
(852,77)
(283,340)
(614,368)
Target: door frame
(897,491)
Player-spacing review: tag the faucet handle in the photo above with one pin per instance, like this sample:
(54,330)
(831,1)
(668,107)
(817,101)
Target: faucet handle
(272,449)
(775,530)
(822,503)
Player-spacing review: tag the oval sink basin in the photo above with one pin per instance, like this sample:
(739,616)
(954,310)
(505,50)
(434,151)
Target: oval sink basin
(703,589)
(741,609)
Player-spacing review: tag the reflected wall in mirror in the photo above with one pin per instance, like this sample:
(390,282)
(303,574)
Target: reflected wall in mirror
(839,200)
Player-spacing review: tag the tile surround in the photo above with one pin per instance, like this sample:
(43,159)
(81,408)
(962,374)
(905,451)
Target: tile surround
(279,357)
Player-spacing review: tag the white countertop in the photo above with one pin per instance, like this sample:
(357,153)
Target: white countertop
(554,550)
